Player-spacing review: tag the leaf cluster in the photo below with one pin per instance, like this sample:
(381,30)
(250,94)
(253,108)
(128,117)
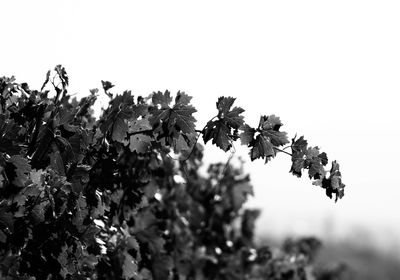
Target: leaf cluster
(121,197)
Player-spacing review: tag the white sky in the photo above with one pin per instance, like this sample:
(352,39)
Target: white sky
(329,69)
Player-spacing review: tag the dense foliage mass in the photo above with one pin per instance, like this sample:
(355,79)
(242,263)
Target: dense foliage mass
(121,197)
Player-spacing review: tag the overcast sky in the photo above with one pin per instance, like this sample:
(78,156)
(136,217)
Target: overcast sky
(329,69)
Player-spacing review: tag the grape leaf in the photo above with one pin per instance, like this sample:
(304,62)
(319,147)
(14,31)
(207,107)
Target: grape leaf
(22,169)
(223,130)
(262,148)
(332,184)
(219,133)
(130,267)
(120,127)
(269,127)
(56,163)
(299,148)
(139,142)
(304,157)
(313,163)
(231,117)
(169,123)
(162,99)
(182,99)
(247,136)
(267,140)
(62,74)
(116,120)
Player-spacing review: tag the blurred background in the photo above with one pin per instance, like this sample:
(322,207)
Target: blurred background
(329,69)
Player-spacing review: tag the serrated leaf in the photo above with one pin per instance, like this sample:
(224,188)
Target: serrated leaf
(120,127)
(162,99)
(182,115)
(232,117)
(218,132)
(262,148)
(171,123)
(333,185)
(299,149)
(270,128)
(182,99)
(22,169)
(224,104)
(139,142)
(247,136)
(313,163)
(116,121)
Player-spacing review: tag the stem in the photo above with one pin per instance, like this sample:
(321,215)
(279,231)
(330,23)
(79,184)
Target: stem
(197,138)
(282,151)
(147,131)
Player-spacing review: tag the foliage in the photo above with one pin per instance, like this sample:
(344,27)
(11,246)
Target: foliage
(120,197)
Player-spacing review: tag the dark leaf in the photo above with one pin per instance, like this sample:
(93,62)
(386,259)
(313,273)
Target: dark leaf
(107,85)
(22,169)
(218,132)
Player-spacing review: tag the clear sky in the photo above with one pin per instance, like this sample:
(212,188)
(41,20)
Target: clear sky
(329,69)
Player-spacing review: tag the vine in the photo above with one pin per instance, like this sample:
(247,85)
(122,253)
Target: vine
(86,198)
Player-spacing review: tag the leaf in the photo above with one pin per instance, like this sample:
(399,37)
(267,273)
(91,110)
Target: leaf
(6,219)
(240,192)
(139,142)
(182,99)
(130,267)
(120,127)
(171,123)
(324,158)
(162,99)
(299,148)
(218,132)
(116,120)
(22,169)
(89,235)
(56,163)
(224,130)
(247,136)
(107,85)
(62,74)
(231,117)
(38,212)
(80,214)
(182,116)
(333,184)
(313,163)
(269,127)
(262,148)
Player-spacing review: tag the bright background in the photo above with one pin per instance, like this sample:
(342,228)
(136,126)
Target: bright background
(329,69)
